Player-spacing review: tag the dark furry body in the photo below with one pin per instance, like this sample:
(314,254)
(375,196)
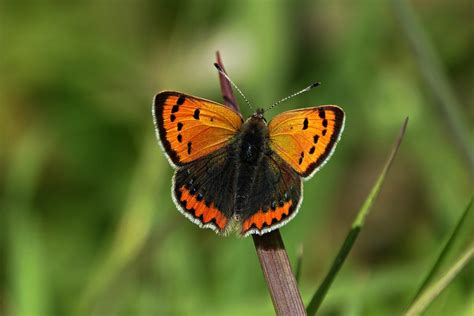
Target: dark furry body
(243,177)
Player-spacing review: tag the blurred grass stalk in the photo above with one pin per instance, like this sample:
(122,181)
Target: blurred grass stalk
(446,249)
(133,230)
(420,305)
(346,247)
(435,78)
(27,275)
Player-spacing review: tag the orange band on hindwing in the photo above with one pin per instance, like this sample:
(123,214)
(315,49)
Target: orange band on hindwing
(267,218)
(205,214)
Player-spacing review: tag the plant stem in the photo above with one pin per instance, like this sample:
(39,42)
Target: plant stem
(270,249)
(276,268)
(226,88)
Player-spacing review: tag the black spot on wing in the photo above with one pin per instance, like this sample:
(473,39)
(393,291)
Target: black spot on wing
(305,123)
(292,208)
(322,114)
(181,100)
(189,147)
(301,158)
(199,197)
(273,206)
(196,114)
(339,119)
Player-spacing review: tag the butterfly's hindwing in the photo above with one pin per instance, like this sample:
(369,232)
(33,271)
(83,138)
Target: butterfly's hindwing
(306,138)
(275,198)
(190,128)
(204,189)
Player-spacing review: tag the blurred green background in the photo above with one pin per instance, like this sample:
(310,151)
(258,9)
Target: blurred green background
(87,224)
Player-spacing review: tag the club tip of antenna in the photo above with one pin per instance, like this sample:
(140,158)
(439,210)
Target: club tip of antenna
(218,67)
(314,85)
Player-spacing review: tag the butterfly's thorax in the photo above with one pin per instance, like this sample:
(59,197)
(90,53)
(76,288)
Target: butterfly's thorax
(254,137)
(252,146)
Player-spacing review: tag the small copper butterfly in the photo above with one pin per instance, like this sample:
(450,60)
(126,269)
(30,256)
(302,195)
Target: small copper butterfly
(235,174)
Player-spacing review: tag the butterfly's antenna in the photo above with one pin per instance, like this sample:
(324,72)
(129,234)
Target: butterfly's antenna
(314,85)
(219,68)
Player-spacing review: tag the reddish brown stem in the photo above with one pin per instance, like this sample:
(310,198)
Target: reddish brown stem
(280,279)
(226,88)
(270,249)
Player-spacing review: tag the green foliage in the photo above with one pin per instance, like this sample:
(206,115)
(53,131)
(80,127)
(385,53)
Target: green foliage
(420,305)
(357,225)
(463,224)
(87,225)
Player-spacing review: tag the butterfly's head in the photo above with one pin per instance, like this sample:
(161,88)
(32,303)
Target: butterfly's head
(257,119)
(258,114)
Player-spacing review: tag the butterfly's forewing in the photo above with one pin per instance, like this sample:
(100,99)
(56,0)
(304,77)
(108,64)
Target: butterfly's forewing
(190,128)
(275,198)
(306,138)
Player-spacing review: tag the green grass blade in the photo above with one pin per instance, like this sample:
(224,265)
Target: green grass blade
(318,297)
(442,256)
(435,78)
(132,232)
(420,305)
(26,257)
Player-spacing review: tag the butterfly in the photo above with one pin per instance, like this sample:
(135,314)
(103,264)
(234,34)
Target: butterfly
(232,174)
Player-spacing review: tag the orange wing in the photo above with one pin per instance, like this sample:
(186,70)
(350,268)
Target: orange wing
(190,127)
(306,138)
